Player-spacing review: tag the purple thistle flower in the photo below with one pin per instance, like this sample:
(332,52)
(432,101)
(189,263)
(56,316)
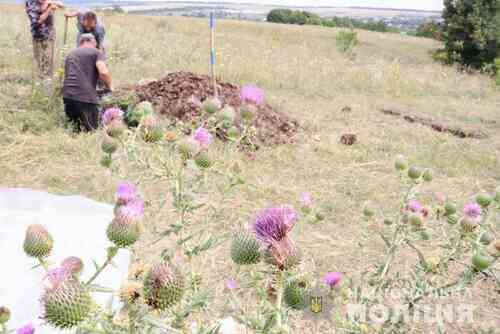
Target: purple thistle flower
(125,193)
(112,114)
(132,211)
(56,277)
(273,224)
(414,206)
(231,284)
(472,210)
(73,264)
(203,137)
(306,199)
(332,279)
(26,329)
(252,94)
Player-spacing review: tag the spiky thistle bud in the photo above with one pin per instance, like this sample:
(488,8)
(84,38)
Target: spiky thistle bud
(484,200)
(66,302)
(428,175)
(188,148)
(4,315)
(245,249)
(481,262)
(415,219)
(228,114)
(233,133)
(452,219)
(295,293)
(450,209)
(368,211)
(122,233)
(211,105)
(38,242)
(414,173)
(400,163)
(163,286)
(116,128)
(109,145)
(126,229)
(152,131)
(203,160)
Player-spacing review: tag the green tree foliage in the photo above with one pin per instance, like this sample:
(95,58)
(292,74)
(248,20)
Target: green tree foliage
(293,17)
(431,29)
(471,31)
(307,18)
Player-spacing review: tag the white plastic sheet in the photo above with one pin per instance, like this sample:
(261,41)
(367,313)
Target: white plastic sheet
(78,226)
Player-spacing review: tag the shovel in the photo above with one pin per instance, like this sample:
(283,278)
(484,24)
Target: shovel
(66,30)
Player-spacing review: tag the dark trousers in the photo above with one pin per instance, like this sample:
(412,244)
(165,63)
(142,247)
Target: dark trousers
(83,116)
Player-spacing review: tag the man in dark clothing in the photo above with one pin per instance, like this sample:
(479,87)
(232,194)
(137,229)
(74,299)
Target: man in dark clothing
(41,16)
(87,23)
(83,67)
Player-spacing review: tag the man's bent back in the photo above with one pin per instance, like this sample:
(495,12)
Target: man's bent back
(84,66)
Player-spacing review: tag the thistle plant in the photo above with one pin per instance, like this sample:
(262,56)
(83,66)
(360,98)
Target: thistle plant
(182,165)
(66,298)
(465,237)
(268,237)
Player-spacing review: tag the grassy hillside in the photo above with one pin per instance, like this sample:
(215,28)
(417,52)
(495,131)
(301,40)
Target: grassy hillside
(302,74)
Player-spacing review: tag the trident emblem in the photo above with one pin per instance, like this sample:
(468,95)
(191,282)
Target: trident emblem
(316,304)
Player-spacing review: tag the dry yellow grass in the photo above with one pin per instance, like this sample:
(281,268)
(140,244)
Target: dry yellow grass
(303,74)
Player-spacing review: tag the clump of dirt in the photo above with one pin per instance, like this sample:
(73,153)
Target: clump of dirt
(178,96)
(349,139)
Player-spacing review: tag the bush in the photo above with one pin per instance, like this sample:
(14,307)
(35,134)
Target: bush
(293,17)
(432,30)
(289,16)
(471,31)
(347,41)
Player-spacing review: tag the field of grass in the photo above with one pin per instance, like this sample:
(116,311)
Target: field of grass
(303,74)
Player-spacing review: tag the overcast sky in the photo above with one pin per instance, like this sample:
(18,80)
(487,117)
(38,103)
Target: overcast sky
(407,4)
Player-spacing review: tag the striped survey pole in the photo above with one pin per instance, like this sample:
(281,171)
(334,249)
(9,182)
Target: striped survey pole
(212,53)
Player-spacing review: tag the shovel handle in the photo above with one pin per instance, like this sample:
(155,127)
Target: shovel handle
(66,30)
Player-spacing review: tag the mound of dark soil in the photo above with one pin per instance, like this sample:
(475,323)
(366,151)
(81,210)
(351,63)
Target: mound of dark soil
(178,96)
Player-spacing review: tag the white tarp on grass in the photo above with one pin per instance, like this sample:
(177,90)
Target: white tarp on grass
(78,226)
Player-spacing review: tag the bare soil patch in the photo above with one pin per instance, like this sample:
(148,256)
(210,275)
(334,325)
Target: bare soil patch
(435,125)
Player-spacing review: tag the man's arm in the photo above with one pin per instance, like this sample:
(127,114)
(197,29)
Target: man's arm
(47,9)
(104,74)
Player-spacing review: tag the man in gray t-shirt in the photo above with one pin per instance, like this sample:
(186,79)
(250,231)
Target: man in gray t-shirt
(83,67)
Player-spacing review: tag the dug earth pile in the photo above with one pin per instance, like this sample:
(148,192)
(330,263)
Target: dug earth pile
(179,95)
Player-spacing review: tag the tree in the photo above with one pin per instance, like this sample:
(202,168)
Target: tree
(430,30)
(471,31)
(280,16)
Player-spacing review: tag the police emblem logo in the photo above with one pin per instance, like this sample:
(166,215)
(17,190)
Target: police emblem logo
(316,304)
(319,304)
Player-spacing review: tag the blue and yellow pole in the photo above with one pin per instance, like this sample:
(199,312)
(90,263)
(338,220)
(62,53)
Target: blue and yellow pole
(212,53)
